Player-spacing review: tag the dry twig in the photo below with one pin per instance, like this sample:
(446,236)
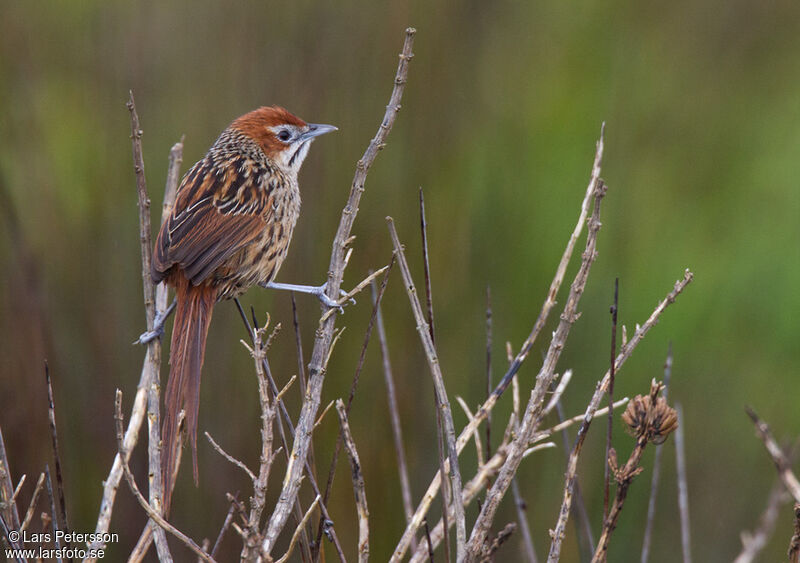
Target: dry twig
(625,352)
(509,377)
(238,463)
(353,387)
(440,431)
(499,540)
(34,500)
(614,311)
(683,489)
(441,392)
(754,542)
(299,530)
(51,416)
(330,532)
(794,544)
(358,484)
(649,419)
(324,335)
(54,518)
(471,490)
(268,411)
(544,380)
(778,456)
(155,299)
(155,516)
(225,525)
(8,508)
(651,505)
(394,414)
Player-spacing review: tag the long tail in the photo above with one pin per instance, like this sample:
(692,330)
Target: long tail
(193,315)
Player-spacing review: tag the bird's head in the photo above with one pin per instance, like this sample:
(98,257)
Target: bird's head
(284,137)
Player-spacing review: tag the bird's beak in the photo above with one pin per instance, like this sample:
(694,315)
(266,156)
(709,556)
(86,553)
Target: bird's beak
(317,129)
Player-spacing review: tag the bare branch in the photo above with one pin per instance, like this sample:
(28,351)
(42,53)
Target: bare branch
(268,412)
(542,434)
(754,542)
(155,516)
(779,458)
(478,446)
(324,335)
(225,525)
(486,408)
(488,367)
(358,484)
(230,458)
(651,505)
(147,391)
(614,311)
(441,393)
(650,420)
(8,508)
(561,271)
(625,352)
(32,506)
(471,490)
(794,544)
(683,489)
(499,540)
(394,414)
(521,506)
(544,380)
(353,385)
(331,533)
(299,530)
(56,527)
(144,213)
(51,416)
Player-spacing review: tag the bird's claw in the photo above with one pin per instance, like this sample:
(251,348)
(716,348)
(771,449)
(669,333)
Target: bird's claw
(158,326)
(150,335)
(328,302)
(332,304)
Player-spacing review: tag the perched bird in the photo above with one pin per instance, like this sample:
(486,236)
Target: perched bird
(230,229)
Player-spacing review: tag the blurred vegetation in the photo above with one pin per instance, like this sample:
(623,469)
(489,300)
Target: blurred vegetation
(502,110)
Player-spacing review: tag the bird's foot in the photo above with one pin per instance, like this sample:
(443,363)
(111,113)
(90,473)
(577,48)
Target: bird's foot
(158,325)
(318,290)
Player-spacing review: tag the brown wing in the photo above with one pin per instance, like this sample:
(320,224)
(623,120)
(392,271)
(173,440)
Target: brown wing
(220,208)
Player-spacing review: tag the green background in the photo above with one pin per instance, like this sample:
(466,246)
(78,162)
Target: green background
(499,122)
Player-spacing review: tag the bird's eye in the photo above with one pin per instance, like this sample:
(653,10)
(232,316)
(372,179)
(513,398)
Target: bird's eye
(284,135)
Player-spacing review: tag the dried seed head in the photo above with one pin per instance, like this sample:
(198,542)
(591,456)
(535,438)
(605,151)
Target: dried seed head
(650,416)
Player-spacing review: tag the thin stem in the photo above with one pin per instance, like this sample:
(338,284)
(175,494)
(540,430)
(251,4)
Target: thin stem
(351,396)
(187,541)
(441,393)
(544,381)
(324,335)
(583,525)
(683,489)
(394,413)
(488,368)
(225,525)
(614,309)
(754,542)
(54,520)
(625,352)
(651,505)
(285,417)
(358,484)
(9,512)
(489,404)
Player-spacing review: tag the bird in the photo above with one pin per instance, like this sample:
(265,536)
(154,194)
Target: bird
(230,229)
